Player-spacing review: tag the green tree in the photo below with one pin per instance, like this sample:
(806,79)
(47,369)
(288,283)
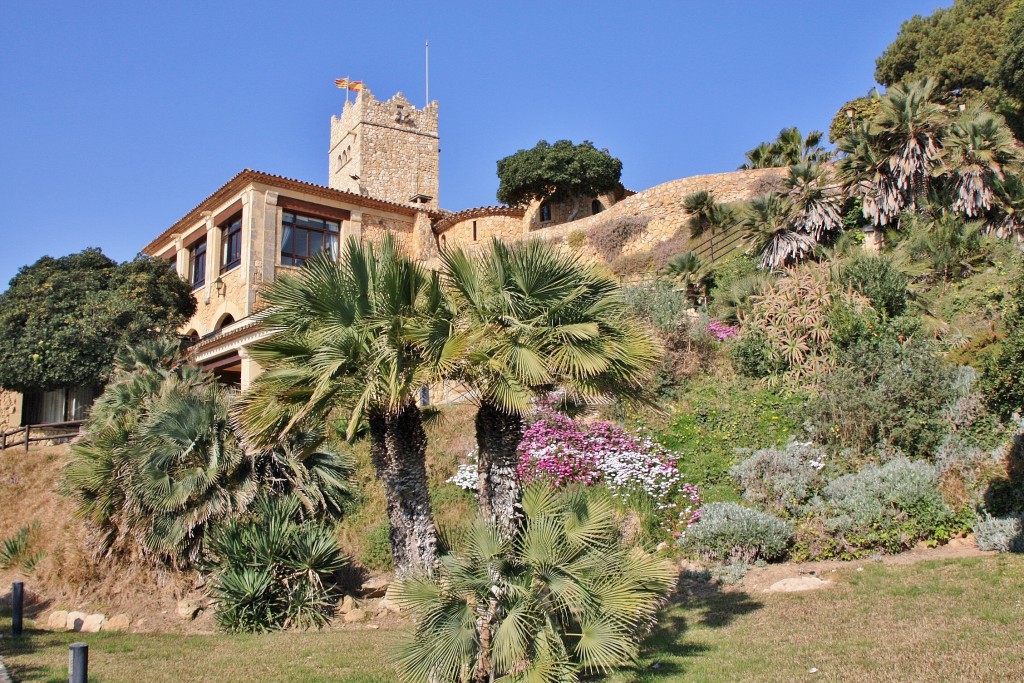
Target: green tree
(534,319)
(1010,73)
(361,336)
(562,600)
(958,46)
(63,319)
(562,171)
(1002,383)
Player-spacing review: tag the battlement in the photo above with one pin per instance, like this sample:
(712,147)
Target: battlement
(387,150)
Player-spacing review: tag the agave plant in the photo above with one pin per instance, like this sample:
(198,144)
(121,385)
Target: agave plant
(274,568)
(563,599)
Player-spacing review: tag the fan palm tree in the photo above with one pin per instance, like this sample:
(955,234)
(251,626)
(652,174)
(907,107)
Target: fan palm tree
(534,319)
(690,271)
(978,149)
(707,215)
(946,242)
(562,598)
(767,224)
(910,126)
(816,202)
(864,170)
(361,336)
(789,147)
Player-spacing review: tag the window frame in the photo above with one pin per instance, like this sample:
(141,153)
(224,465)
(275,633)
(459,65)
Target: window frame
(294,257)
(545,208)
(231,228)
(197,248)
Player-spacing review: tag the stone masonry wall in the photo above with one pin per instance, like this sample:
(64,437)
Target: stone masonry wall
(392,148)
(10,410)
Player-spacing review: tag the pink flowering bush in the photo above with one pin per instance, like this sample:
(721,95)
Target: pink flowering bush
(560,451)
(722,331)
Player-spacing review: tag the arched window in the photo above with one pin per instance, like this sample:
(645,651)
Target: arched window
(595,207)
(444,242)
(225,321)
(545,212)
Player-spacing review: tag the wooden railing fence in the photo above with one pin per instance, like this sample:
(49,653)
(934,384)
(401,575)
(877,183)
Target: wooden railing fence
(43,432)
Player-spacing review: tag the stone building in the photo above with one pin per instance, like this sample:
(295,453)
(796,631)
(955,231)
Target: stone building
(383,166)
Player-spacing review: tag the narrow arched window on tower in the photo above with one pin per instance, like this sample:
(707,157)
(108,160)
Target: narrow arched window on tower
(474,231)
(595,207)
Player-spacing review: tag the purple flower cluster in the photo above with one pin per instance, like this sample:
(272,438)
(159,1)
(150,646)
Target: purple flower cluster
(722,331)
(560,451)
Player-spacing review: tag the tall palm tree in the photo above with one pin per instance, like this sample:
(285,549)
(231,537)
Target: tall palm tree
(978,149)
(534,319)
(768,228)
(789,147)
(360,336)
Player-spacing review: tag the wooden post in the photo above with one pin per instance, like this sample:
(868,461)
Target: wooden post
(28,432)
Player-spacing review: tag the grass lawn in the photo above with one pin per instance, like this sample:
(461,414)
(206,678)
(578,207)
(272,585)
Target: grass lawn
(955,620)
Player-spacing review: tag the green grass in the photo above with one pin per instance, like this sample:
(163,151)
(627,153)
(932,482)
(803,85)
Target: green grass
(956,620)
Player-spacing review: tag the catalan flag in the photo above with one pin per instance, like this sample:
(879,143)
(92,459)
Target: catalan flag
(348,84)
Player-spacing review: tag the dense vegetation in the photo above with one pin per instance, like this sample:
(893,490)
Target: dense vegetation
(63,319)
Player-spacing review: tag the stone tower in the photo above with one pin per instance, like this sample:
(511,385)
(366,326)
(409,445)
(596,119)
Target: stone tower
(386,150)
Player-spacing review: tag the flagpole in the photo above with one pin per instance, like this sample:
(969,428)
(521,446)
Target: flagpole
(348,80)
(428,73)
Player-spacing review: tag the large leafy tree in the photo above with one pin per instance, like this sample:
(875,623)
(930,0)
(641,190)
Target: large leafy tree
(63,319)
(534,319)
(359,337)
(560,601)
(562,171)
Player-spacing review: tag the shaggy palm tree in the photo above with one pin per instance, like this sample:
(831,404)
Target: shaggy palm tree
(789,147)
(768,228)
(816,202)
(978,149)
(864,170)
(361,336)
(707,215)
(158,464)
(534,319)
(563,598)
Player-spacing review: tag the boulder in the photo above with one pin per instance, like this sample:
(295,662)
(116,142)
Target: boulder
(75,621)
(388,603)
(802,583)
(355,616)
(117,623)
(189,609)
(348,603)
(93,623)
(376,586)
(57,621)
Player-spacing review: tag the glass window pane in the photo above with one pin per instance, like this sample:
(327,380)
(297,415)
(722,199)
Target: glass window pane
(333,227)
(286,240)
(331,245)
(301,243)
(316,242)
(287,217)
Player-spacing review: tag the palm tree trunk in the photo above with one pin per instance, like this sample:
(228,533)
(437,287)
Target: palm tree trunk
(398,446)
(499,492)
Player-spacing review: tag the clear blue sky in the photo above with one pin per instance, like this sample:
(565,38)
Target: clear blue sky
(119,117)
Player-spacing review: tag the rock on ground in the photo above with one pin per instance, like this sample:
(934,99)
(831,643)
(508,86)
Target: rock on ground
(355,616)
(117,623)
(75,621)
(802,583)
(93,623)
(57,621)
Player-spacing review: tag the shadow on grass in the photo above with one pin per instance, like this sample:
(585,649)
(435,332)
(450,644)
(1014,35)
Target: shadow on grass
(665,651)
(30,642)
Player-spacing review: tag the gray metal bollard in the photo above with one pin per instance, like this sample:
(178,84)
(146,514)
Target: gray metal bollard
(17,607)
(78,663)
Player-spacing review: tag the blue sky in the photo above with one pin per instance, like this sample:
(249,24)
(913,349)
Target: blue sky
(119,117)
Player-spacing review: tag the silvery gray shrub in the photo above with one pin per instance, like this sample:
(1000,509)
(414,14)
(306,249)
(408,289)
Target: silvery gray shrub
(1005,534)
(876,492)
(783,479)
(731,532)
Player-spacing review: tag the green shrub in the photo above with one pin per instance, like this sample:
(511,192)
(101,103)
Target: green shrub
(889,391)
(731,532)
(715,418)
(879,280)
(662,304)
(781,480)
(376,552)
(1003,382)
(1003,534)
(576,239)
(891,507)
(752,355)
(274,569)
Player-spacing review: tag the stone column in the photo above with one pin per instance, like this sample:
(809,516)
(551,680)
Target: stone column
(181,254)
(353,227)
(212,256)
(874,240)
(250,368)
(268,238)
(424,241)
